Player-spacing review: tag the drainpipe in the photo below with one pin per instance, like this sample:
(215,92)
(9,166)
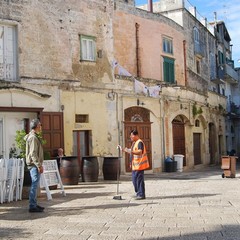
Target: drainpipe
(185,62)
(150,6)
(162,131)
(137,49)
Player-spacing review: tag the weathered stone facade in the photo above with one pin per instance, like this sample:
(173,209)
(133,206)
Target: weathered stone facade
(53,77)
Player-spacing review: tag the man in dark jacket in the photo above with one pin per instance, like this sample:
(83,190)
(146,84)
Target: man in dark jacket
(34,160)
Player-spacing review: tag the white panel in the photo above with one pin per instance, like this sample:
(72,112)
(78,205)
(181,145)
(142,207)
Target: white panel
(9,45)
(1,139)
(7,53)
(1,43)
(1,53)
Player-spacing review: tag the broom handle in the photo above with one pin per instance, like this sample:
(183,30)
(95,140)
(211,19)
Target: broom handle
(118,173)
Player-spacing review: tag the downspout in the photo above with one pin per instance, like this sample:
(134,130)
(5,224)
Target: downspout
(137,49)
(119,106)
(185,62)
(162,117)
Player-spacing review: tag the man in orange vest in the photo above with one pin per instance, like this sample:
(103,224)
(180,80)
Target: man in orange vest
(139,162)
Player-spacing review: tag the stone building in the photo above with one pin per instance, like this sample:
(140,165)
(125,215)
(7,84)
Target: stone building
(92,71)
(56,66)
(228,80)
(213,53)
(193,120)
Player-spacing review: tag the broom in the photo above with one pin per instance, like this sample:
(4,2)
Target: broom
(118,197)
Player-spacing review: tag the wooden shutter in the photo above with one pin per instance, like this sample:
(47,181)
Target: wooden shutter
(168,69)
(197,148)
(52,127)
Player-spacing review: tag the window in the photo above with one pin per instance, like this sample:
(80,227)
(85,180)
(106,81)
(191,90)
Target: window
(196,35)
(213,74)
(220,57)
(198,66)
(81,118)
(8,57)
(88,48)
(167,45)
(168,70)
(197,123)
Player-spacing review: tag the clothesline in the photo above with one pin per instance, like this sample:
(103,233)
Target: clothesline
(139,87)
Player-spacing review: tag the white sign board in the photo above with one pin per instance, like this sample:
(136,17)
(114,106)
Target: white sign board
(50,177)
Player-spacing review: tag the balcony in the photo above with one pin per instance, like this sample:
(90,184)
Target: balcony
(227,74)
(234,110)
(230,75)
(217,78)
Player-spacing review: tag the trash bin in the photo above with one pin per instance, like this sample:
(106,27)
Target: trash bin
(179,159)
(170,165)
(229,166)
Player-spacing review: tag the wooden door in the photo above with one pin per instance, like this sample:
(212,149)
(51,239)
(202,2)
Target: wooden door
(137,118)
(197,148)
(179,139)
(52,127)
(144,132)
(212,142)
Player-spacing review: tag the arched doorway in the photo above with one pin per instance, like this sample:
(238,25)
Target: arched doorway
(178,132)
(137,118)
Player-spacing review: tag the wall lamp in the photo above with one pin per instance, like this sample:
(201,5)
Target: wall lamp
(140,103)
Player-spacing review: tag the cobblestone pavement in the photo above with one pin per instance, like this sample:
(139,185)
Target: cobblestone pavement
(197,205)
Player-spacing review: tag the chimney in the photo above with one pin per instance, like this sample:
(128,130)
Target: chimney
(215,17)
(150,6)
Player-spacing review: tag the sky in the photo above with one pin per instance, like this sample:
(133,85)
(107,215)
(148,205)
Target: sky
(227,11)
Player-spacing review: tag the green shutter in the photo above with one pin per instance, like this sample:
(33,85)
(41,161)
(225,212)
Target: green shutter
(168,70)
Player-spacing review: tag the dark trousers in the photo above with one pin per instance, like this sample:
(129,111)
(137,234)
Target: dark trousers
(138,182)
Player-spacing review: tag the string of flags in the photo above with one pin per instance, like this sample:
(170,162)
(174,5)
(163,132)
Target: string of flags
(139,87)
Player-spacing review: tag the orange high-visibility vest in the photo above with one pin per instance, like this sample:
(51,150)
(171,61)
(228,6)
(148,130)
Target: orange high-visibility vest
(140,162)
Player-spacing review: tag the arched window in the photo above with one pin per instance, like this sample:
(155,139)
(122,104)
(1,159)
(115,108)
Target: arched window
(197,123)
(196,35)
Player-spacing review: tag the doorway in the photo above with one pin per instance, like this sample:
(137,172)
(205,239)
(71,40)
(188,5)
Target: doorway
(178,131)
(81,145)
(212,142)
(137,118)
(52,127)
(197,148)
